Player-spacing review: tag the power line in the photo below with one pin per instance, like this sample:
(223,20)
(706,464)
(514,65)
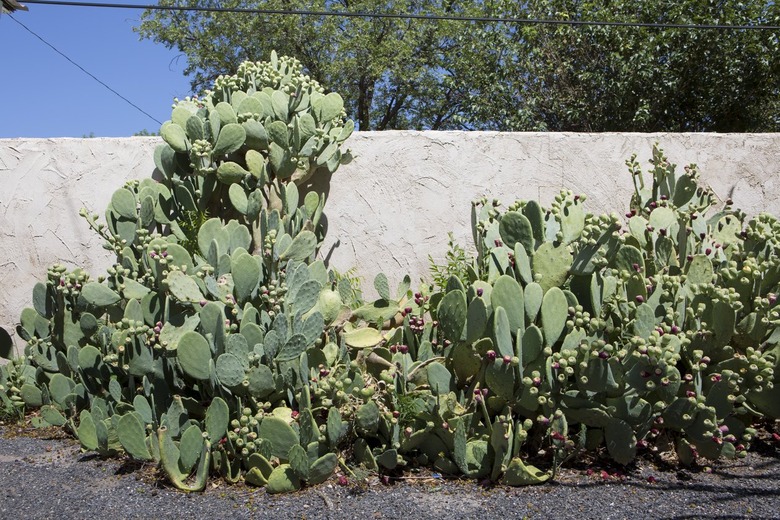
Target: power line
(85,71)
(411,16)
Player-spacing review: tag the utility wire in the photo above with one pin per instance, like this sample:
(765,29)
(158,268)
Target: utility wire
(411,16)
(85,71)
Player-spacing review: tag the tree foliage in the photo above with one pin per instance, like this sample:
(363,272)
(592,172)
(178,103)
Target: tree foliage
(503,76)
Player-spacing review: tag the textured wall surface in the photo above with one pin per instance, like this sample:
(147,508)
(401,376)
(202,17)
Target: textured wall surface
(387,210)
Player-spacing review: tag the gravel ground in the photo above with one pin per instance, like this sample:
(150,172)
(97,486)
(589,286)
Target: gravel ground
(50,478)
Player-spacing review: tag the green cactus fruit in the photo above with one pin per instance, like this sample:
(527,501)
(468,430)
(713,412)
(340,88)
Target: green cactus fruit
(329,304)
(452,314)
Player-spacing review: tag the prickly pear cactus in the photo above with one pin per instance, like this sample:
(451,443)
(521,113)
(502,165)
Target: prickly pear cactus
(628,331)
(199,346)
(218,344)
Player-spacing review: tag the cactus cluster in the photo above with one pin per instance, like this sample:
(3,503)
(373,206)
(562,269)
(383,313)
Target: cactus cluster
(214,315)
(217,343)
(661,329)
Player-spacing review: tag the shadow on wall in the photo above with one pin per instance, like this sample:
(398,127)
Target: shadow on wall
(6,345)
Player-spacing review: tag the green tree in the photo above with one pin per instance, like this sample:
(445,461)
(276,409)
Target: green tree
(501,76)
(391,73)
(587,78)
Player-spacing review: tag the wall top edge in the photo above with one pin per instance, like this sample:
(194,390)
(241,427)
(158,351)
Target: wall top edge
(470,133)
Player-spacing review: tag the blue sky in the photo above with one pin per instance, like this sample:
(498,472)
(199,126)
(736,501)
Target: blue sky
(46,96)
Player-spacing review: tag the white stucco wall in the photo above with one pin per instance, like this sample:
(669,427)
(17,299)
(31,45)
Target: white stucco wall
(388,210)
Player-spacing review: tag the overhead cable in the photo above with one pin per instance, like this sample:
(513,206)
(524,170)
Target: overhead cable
(85,71)
(410,16)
